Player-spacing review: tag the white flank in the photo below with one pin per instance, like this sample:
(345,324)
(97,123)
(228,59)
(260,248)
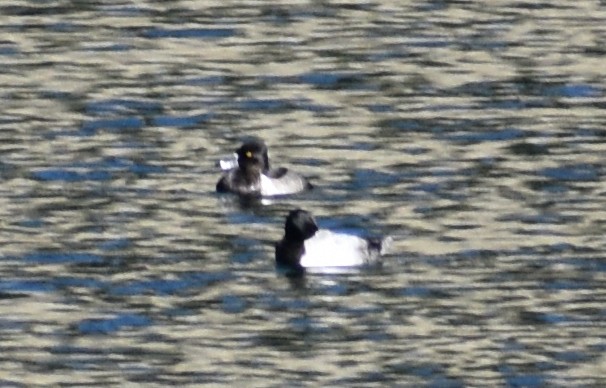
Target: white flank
(228,164)
(329,249)
(288,184)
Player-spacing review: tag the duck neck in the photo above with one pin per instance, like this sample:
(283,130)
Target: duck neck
(250,176)
(290,252)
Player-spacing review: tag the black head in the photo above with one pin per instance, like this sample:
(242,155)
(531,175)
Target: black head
(252,156)
(300,225)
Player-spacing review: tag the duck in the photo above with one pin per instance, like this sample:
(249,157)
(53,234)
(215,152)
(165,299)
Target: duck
(305,246)
(253,176)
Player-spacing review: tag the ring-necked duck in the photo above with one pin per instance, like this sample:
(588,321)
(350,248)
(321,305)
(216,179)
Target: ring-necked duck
(304,245)
(253,175)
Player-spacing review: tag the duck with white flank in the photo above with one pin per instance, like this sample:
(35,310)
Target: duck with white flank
(253,176)
(304,245)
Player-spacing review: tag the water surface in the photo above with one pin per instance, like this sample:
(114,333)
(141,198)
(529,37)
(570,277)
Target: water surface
(473,134)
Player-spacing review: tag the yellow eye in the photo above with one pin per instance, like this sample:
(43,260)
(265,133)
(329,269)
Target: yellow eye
(248,154)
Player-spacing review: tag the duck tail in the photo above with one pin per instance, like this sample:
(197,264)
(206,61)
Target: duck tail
(380,245)
(386,245)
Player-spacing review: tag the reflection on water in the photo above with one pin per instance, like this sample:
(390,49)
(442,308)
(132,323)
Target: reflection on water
(474,138)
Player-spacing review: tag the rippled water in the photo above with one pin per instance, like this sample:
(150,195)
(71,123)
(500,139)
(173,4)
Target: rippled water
(474,133)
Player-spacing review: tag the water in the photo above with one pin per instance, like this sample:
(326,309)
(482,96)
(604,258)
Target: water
(473,134)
